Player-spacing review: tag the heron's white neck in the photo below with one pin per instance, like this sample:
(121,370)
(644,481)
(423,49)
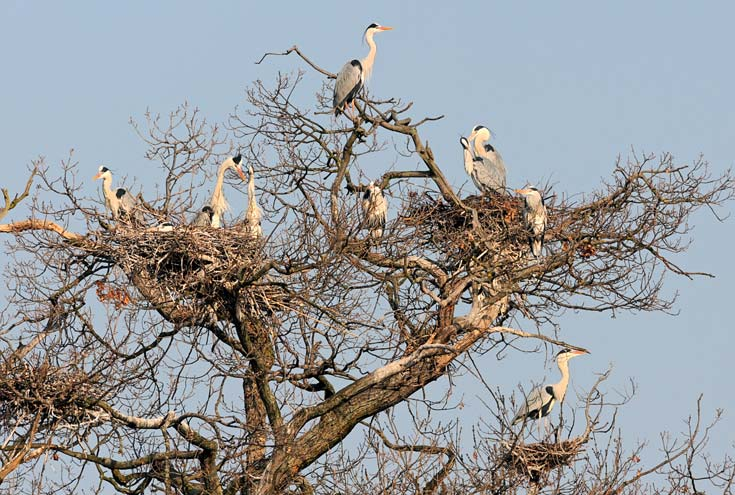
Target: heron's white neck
(369,60)
(469,165)
(219,204)
(253,212)
(479,148)
(107,185)
(560,388)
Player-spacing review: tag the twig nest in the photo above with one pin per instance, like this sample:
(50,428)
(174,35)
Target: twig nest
(536,460)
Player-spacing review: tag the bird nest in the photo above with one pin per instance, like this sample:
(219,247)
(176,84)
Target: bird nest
(193,270)
(489,227)
(47,393)
(536,460)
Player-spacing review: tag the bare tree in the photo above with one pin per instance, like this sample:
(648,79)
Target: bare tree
(210,361)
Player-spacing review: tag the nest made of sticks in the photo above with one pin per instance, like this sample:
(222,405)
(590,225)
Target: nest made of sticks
(489,225)
(44,391)
(195,267)
(535,460)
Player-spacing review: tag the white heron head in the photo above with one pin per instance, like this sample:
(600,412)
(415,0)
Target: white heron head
(235,162)
(375,28)
(566,354)
(464,142)
(480,132)
(103,173)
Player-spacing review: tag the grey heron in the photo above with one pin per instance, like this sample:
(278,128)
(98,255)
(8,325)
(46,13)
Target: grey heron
(253,213)
(542,399)
(219,203)
(534,215)
(119,201)
(203,218)
(352,76)
(374,210)
(489,168)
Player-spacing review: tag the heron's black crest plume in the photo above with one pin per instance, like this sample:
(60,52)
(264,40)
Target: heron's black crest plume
(463,141)
(237,158)
(373,25)
(104,169)
(478,127)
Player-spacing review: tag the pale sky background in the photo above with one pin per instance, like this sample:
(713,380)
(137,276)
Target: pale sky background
(566,86)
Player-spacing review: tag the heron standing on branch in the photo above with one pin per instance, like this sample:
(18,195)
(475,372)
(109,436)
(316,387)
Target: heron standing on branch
(353,75)
(488,164)
(219,203)
(541,399)
(120,202)
(374,210)
(534,215)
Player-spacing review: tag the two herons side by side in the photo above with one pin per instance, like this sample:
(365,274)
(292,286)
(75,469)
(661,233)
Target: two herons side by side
(482,163)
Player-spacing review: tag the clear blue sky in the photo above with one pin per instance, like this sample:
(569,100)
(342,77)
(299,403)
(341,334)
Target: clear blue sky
(566,86)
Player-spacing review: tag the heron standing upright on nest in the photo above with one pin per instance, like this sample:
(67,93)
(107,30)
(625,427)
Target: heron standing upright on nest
(219,203)
(535,217)
(489,169)
(253,214)
(119,201)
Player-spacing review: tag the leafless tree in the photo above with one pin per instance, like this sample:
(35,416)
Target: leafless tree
(210,361)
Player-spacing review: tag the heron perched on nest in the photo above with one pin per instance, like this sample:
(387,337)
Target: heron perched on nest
(374,210)
(534,215)
(488,167)
(203,218)
(352,76)
(253,214)
(542,399)
(219,203)
(119,201)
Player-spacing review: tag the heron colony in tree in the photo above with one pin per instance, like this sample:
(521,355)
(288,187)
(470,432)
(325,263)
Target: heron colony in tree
(542,399)
(204,217)
(374,210)
(218,203)
(534,215)
(353,75)
(120,202)
(253,213)
(487,168)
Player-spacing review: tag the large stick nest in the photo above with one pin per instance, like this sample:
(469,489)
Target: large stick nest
(49,393)
(199,269)
(490,229)
(536,460)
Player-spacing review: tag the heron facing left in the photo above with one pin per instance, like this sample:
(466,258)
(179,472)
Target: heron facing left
(374,210)
(353,75)
(119,201)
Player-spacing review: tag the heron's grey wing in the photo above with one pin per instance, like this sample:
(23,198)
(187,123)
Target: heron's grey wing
(349,82)
(535,401)
(201,220)
(486,176)
(129,205)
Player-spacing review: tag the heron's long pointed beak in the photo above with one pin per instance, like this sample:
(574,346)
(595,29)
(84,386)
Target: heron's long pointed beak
(99,175)
(522,191)
(579,352)
(385,28)
(241,173)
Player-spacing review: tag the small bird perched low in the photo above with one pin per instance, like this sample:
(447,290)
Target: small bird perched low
(353,75)
(535,217)
(120,202)
(542,399)
(203,218)
(374,210)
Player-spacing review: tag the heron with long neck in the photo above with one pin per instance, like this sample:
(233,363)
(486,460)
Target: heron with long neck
(374,210)
(219,203)
(542,399)
(489,165)
(253,214)
(119,201)
(355,73)
(535,217)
